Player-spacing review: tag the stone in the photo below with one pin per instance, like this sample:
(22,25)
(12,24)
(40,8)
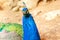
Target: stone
(9,36)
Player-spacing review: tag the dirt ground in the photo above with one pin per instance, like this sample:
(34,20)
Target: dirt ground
(48,29)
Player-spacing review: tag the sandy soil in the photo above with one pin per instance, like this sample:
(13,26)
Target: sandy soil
(48,29)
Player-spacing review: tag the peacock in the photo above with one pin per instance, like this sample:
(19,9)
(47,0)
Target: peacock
(29,26)
(10,27)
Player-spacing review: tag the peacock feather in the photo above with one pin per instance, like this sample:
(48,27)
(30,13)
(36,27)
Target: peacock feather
(10,27)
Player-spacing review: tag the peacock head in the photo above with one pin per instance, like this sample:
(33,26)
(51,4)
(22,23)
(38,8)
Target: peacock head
(25,10)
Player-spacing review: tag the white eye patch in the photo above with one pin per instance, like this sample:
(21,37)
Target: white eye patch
(51,15)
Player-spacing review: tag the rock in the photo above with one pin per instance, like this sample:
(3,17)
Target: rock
(9,36)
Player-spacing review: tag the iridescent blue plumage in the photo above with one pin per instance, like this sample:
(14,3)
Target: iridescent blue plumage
(24,9)
(29,26)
